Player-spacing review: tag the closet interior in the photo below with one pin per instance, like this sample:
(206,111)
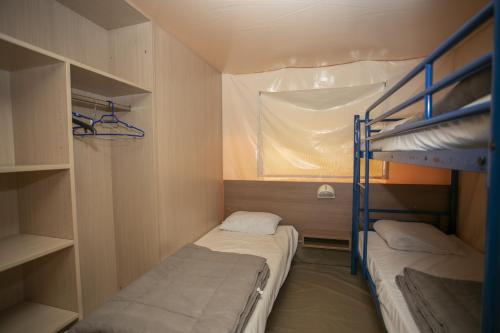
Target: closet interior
(49,179)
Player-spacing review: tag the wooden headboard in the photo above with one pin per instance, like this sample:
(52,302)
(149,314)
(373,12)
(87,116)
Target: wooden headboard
(297,204)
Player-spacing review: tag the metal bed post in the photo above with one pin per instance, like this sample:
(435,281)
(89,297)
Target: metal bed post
(428,84)
(491,289)
(355,197)
(453,207)
(366,195)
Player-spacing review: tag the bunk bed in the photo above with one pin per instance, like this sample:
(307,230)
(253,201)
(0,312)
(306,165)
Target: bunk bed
(461,139)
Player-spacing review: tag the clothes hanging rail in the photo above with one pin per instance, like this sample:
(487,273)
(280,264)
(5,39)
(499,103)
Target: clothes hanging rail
(97,103)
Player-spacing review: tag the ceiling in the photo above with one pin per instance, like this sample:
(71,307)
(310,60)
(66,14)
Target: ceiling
(248,36)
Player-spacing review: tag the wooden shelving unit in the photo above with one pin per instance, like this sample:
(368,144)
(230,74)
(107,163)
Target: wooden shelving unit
(39,280)
(40,275)
(35,317)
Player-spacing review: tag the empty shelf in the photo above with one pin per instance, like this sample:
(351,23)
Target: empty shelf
(18,249)
(34,317)
(98,82)
(28,168)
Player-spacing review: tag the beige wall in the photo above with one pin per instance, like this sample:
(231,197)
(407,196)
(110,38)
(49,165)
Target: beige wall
(472,209)
(188,118)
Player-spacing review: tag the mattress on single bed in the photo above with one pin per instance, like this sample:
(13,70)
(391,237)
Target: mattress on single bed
(385,263)
(278,249)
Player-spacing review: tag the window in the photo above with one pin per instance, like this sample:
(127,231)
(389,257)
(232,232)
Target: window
(309,133)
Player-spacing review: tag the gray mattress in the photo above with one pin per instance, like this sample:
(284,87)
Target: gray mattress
(195,290)
(441,305)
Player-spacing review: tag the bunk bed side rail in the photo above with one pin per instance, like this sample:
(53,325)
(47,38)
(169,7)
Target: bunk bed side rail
(485,14)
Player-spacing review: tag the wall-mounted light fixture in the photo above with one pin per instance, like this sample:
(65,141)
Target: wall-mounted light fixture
(325,191)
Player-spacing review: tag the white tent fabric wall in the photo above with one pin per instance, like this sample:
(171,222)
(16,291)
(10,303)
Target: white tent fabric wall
(240,103)
(308,133)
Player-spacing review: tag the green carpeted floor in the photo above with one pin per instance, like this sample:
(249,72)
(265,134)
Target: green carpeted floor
(321,296)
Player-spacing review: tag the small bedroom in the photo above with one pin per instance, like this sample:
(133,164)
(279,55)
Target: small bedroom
(249,166)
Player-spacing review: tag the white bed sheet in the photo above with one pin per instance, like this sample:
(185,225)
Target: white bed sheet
(385,263)
(278,249)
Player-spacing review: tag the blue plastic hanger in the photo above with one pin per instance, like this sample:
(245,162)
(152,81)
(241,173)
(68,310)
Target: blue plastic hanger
(109,118)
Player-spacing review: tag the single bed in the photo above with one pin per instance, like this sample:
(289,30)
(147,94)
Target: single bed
(385,263)
(278,249)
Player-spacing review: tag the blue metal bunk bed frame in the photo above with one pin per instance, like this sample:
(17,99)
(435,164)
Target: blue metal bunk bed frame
(477,160)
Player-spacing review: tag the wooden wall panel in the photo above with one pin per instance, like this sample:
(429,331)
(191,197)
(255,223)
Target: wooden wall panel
(188,119)
(297,204)
(52,279)
(134,195)
(96,229)
(9,216)
(131,54)
(11,287)
(472,209)
(45,206)
(7,156)
(38,103)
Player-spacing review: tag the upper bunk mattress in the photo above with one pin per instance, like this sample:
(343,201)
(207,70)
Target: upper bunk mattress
(465,133)
(278,249)
(385,263)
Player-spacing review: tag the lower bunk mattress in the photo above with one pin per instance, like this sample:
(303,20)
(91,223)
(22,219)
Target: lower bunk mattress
(278,249)
(385,263)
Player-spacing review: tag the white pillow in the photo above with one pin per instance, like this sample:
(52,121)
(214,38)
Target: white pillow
(417,237)
(251,222)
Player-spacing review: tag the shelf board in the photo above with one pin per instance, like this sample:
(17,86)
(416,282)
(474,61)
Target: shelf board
(35,167)
(109,14)
(98,82)
(16,57)
(18,249)
(34,317)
